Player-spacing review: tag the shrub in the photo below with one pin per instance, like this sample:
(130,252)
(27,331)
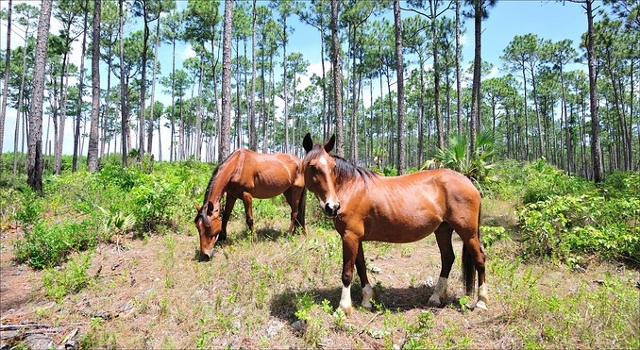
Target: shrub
(152,202)
(69,280)
(544,181)
(567,226)
(48,247)
(10,200)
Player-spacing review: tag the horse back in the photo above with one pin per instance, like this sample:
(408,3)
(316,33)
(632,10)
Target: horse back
(267,175)
(409,207)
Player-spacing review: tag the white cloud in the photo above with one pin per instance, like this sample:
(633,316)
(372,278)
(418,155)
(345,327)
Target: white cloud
(188,52)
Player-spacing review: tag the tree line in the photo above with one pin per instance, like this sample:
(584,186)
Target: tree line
(405,57)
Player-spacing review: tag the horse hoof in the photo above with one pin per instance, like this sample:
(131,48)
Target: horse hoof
(434,301)
(346,310)
(481,306)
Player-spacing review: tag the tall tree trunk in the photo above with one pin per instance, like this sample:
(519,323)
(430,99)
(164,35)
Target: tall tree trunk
(285,85)
(198,136)
(436,73)
(5,89)
(400,76)
(325,119)
(536,106)
(458,73)
(337,76)
(565,119)
(153,94)
(143,82)
(173,105)
(76,134)
(263,97)
(21,101)
(225,119)
(596,150)
(526,116)
(34,160)
(354,95)
(64,81)
(477,69)
(253,141)
(92,156)
(123,106)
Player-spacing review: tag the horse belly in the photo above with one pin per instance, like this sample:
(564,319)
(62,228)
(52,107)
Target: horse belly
(270,187)
(400,228)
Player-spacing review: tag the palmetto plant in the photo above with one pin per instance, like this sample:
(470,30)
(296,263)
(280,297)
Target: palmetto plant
(457,156)
(117,223)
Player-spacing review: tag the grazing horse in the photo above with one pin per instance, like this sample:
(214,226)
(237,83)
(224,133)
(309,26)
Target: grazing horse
(367,207)
(246,174)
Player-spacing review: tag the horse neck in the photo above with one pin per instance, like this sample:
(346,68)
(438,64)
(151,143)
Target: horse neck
(220,182)
(351,184)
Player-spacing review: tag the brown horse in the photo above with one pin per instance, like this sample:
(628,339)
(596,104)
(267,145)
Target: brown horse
(401,209)
(246,174)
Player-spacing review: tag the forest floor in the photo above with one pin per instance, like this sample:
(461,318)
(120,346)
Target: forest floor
(273,290)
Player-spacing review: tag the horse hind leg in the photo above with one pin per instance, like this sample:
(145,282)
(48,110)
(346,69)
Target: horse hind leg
(247,199)
(367,291)
(294,199)
(447,257)
(228,208)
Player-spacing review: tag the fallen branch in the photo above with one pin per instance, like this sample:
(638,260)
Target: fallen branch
(371,320)
(17,327)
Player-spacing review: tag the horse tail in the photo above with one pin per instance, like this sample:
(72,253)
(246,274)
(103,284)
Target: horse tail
(468,266)
(302,205)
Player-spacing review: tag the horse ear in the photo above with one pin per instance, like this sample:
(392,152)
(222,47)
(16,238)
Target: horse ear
(307,143)
(197,206)
(329,145)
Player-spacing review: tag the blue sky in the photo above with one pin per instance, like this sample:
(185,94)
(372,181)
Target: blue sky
(548,19)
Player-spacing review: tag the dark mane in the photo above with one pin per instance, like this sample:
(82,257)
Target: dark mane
(207,193)
(347,171)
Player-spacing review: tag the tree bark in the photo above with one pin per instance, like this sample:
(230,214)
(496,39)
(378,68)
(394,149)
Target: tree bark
(123,107)
(458,73)
(5,90)
(92,156)
(400,76)
(225,119)
(337,76)
(76,134)
(596,150)
(253,142)
(34,160)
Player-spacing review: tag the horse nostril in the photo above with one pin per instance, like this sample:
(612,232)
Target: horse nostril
(203,257)
(331,210)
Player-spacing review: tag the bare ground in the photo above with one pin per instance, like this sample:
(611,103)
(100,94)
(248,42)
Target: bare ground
(153,293)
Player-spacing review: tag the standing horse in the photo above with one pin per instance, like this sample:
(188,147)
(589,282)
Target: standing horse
(367,207)
(246,174)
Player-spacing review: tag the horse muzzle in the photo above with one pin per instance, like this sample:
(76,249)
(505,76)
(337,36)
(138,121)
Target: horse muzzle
(331,209)
(205,255)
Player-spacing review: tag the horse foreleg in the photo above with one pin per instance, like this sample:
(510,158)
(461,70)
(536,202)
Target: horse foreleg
(292,200)
(228,208)
(478,255)
(443,237)
(367,290)
(350,247)
(247,199)
(474,257)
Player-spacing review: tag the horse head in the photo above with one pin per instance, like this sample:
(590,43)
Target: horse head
(319,174)
(209,225)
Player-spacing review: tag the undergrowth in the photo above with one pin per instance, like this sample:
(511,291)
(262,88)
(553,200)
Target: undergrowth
(258,281)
